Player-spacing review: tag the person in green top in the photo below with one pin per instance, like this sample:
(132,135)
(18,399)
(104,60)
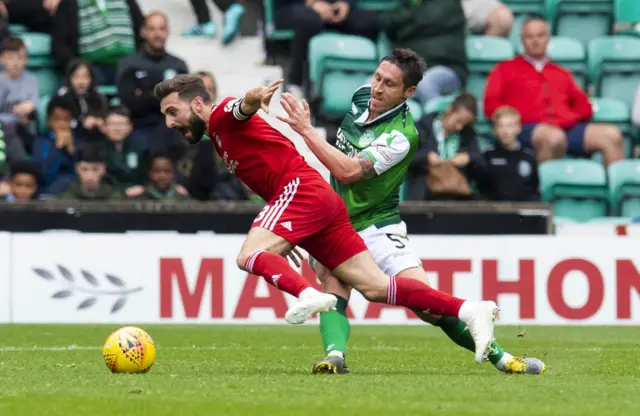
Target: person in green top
(380,134)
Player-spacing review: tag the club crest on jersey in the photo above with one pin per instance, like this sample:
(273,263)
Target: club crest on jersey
(366,139)
(229,106)
(231,165)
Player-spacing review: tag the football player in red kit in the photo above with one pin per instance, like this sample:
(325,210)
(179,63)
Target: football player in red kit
(302,210)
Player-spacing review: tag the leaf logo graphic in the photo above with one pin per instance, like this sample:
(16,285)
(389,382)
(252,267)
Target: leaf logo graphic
(88,286)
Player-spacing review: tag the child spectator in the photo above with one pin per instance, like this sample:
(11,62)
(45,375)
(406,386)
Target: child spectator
(512,170)
(125,164)
(91,169)
(18,89)
(23,181)
(55,151)
(162,185)
(87,104)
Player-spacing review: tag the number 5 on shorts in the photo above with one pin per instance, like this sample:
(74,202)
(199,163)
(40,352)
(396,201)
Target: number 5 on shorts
(397,240)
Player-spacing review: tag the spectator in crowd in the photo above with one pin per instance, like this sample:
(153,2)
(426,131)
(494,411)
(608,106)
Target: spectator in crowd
(126,165)
(555,111)
(211,84)
(162,185)
(11,147)
(233,13)
(138,74)
(90,184)
(18,90)
(102,32)
(55,151)
(488,17)
(87,105)
(36,15)
(512,171)
(23,182)
(435,30)
(448,154)
(309,18)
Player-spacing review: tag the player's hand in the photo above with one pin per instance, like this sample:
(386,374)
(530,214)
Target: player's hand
(134,191)
(259,98)
(295,256)
(298,116)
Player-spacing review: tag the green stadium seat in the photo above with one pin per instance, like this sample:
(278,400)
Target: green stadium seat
(576,187)
(627,12)
(614,111)
(483,126)
(614,67)
(483,53)
(48,81)
(415,109)
(583,20)
(624,187)
(438,105)
(16,29)
(270,27)
(384,45)
(378,5)
(42,113)
(39,50)
(338,65)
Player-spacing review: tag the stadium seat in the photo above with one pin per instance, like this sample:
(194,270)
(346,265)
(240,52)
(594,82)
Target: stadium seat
(16,29)
(378,5)
(627,12)
(583,20)
(415,109)
(576,187)
(384,45)
(483,126)
(48,81)
(439,104)
(42,113)
(269,22)
(624,187)
(614,67)
(614,111)
(483,53)
(338,65)
(39,50)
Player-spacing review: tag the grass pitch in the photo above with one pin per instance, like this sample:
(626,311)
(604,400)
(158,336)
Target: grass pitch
(250,370)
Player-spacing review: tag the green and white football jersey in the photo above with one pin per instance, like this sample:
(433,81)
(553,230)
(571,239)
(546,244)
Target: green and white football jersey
(390,141)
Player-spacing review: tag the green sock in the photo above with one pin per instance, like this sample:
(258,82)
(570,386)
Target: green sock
(458,332)
(335,328)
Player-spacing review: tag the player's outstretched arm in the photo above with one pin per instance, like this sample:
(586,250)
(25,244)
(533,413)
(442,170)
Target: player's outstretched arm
(258,98)
(344,168)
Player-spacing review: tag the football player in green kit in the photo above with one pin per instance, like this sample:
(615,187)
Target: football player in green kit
(375,145)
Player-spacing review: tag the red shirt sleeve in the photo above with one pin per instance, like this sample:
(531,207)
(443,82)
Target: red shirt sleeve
(494,91)
(227,113)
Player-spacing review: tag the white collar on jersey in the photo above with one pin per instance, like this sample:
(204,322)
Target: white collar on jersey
(362,120)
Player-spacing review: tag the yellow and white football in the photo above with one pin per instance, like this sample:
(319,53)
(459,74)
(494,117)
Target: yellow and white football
(129,350)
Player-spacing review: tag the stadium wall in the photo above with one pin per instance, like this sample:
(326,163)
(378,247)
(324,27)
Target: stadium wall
(163,277)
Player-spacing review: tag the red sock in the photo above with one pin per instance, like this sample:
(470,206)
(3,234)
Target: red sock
(276,271)
(414,294)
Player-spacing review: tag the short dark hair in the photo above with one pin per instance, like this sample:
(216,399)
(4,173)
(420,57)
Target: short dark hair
(187,86)
(534,17)
(160,155)
(118,110)
(411,64)
(466,101)
(12,44)
(58,101)
(74,65)
(24,166)
(92,153)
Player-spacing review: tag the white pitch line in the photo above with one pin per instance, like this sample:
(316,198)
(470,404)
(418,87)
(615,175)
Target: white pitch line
(192,348)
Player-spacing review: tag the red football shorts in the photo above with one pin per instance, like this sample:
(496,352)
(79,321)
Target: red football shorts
(309,214)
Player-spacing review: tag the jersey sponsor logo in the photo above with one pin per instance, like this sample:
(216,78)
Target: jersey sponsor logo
(286,224)
(366,139)
(344,145)
(231,165)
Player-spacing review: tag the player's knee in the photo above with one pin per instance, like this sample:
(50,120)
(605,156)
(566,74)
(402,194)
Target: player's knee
(242,259)
(374,293)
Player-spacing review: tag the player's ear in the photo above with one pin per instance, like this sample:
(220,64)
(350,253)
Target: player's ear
(409,92)
(197,104)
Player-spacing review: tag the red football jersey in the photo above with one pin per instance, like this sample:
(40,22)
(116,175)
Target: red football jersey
(256,153)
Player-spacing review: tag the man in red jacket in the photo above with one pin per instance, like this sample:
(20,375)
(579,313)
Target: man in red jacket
(555,111)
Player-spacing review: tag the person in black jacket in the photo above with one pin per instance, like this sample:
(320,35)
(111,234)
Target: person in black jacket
(138,74)
(88,106)
(65,37)
(446,137)
(512,171)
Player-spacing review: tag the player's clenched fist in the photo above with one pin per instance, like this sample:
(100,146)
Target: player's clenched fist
(298,116)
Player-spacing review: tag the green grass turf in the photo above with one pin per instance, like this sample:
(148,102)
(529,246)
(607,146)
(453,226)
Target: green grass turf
(251,370)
